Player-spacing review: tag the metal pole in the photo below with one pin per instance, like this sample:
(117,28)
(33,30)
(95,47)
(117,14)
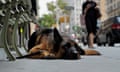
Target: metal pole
(14,38)
(23,36)
(4,37)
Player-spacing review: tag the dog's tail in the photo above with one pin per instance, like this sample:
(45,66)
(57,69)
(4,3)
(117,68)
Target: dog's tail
(28,55)
(91,52)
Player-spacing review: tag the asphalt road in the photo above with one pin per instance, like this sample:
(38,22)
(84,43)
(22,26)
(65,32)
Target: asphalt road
(109,61)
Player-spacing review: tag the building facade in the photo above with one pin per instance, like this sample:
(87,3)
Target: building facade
(75,15)
(103,10)
(112,7)
(109,8)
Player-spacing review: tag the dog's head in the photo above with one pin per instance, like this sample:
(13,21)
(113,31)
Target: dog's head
(71,51)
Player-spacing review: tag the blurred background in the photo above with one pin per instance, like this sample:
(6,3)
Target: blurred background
(20,18)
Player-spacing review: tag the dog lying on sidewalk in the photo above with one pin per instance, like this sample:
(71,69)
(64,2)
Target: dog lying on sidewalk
(49,44)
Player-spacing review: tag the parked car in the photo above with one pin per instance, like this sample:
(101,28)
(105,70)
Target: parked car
(110,32)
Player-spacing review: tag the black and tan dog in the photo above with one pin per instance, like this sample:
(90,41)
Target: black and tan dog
(49,44)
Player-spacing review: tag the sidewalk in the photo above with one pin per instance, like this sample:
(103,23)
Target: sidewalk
(109,61)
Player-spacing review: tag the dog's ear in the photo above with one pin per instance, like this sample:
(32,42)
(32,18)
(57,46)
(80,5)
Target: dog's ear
(57,36)
(57,40)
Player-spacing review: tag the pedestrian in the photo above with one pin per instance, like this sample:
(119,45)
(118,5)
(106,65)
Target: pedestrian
(91,15)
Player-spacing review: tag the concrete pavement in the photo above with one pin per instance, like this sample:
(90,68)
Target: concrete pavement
(109,61)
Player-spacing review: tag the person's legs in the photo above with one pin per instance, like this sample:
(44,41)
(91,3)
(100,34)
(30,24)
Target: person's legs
(91,29)
(91,40)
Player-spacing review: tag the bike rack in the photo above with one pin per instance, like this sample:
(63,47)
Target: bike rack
(14,9)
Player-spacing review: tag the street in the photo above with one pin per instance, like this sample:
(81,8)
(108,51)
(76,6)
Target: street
(109,61)
(20,18)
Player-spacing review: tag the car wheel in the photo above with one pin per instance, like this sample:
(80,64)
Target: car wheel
(99,44)
(111,44)
(84,43)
